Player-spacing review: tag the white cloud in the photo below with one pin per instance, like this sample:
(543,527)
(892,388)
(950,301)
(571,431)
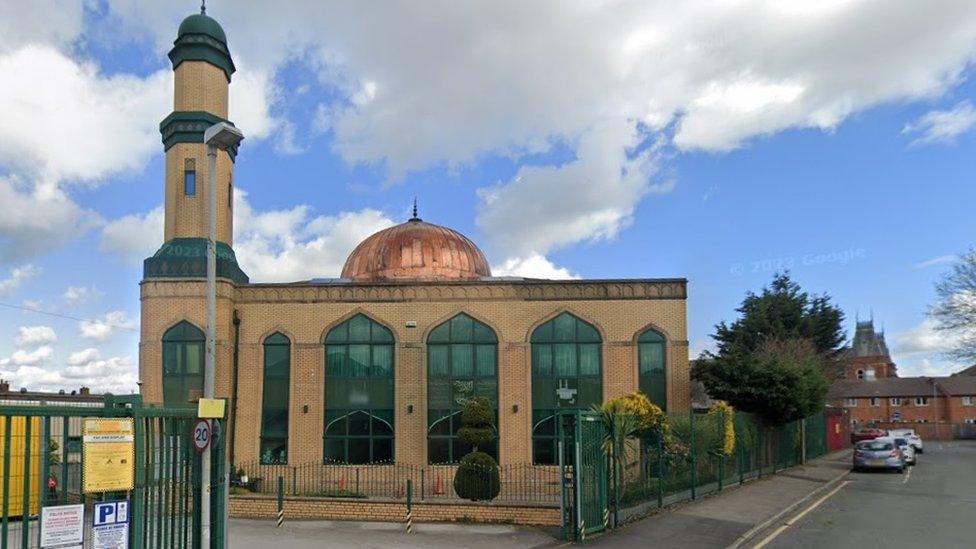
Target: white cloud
(921,350)
(591,198)
(942,126)
(534,266)
(84,356)
(271,246)
(64,120)
(36,335)
(17,277)
(118,375)
(77,295)
(289,245)
(20,357)
(44,21)
(942,259)
(104,327)
(134,237)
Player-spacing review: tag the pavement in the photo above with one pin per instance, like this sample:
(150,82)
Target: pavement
(261,534)
(734,516)
(819,504)
(931,505)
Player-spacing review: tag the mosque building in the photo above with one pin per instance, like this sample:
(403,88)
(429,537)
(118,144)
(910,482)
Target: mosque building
(375,366)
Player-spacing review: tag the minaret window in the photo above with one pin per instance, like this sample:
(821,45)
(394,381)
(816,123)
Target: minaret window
(190,177)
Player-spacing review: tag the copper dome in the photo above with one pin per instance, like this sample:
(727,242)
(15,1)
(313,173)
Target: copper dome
(416,250)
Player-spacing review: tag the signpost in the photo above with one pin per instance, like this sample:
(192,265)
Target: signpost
(201,434)
(108,455)
(63,526)
(110,525)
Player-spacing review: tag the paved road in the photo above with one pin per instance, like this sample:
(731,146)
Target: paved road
(932,505)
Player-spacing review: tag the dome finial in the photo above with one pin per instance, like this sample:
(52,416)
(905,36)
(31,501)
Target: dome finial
(415,218)
(203,7)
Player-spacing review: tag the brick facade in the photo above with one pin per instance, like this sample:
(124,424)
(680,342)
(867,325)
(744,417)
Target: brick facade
(620,310)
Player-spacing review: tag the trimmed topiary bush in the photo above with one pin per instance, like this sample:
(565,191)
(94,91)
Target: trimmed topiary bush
(477,477)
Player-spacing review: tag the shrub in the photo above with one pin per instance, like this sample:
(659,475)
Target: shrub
(477,477)
(477,420)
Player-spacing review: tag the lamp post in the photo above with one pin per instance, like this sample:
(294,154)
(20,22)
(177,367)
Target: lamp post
(221,136)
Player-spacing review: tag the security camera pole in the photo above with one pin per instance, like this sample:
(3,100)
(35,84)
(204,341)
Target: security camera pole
(219,136)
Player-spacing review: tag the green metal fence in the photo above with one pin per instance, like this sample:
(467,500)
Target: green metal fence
(43,464)
(691,461)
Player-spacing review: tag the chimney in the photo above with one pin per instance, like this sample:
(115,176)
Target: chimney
(85,391)
(4,386)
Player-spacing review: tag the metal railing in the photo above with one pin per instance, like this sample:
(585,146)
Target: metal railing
(518,483)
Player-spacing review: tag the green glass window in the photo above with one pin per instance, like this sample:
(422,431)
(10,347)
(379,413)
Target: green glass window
(566,374)
(359,392)
(462,362)
(651,367)
(274,404)
(183,348)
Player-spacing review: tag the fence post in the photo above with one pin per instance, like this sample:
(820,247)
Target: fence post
(281,500)
(409,505)
(660,467)
(694,456)
(721,457)
(423,483)
(760,449)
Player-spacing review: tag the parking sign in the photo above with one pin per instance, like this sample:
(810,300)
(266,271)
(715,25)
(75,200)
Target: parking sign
(110,525)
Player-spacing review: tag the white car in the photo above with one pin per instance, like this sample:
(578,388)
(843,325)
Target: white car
(907,450)
(914,440)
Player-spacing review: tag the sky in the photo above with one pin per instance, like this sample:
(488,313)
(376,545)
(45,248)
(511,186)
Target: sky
(719,141)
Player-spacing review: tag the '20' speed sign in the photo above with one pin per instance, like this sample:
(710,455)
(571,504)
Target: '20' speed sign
(201,434)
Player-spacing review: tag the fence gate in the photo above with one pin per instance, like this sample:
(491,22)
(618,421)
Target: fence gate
(42,464)
(584,472)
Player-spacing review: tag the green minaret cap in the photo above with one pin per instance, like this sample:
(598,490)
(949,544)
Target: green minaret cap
(201,38)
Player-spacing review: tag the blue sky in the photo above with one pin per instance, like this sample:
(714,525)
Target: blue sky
(719,142)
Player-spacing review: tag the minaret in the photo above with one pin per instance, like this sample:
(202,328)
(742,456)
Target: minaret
(202,68)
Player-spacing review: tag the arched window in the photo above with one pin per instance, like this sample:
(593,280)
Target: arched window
(566,374)
(462,362)
(860,374)
(651,371)
(359,392)
(274,404)
(183,348)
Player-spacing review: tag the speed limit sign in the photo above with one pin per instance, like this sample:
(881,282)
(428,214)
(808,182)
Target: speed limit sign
(201,434)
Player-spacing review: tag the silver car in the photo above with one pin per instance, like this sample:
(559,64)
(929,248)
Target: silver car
(880,453)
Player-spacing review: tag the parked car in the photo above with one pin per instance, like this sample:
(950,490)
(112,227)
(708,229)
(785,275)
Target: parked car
(913,438)
(870,433)
(906,448)
(878,454)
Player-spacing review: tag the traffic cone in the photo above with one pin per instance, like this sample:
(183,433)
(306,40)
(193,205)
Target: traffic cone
(342,483)
(439,486)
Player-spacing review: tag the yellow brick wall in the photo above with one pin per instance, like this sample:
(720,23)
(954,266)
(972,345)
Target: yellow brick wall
(306,314)
(199,86)
(391,511)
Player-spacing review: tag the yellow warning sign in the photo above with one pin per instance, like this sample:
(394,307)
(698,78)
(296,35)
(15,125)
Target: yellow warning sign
(210,408)
(108,455)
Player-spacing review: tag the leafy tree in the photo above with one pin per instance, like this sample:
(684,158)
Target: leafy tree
(955,310)
(781,382)
(771,359)
(477,475)
(782,312)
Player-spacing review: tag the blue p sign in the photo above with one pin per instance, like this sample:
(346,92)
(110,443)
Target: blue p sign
(111,512)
